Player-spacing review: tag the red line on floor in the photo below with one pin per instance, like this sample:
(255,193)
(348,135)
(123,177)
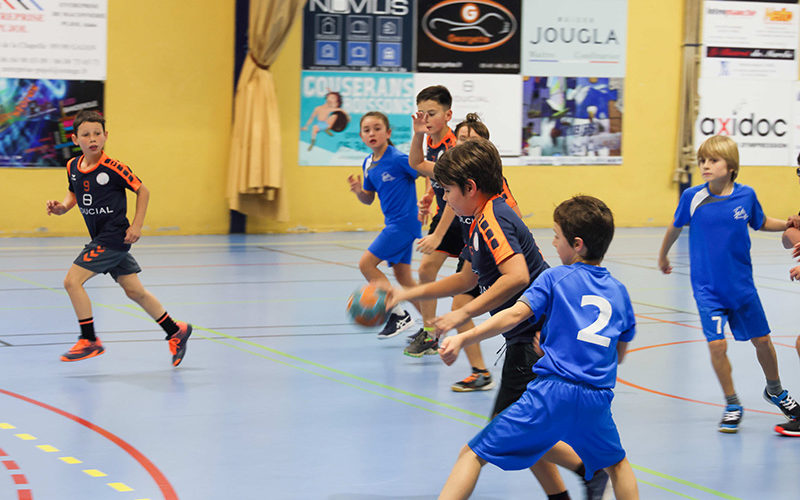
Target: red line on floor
(24,495)
(159,478)
(10,464)
(19,478)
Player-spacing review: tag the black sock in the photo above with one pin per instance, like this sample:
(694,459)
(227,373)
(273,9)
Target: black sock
(168,324)
(87,329)
(581,471)
(564,495)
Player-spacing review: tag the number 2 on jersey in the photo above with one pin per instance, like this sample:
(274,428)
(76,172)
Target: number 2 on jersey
(589,334)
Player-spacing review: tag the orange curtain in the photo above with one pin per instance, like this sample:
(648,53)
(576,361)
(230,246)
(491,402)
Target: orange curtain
(255,173)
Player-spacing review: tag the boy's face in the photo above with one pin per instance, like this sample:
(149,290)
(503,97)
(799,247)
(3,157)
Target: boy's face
(461,202)
(91,137)
(374,132)
(714,169)
(436,116)
(566,252)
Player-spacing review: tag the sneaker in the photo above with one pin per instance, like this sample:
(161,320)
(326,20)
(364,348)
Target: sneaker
(599,486)
(477,381)
(413,336)
(84,349)
(422,344)
(396,324)
(785,402)
(177,343)
(731,418)
(789,428)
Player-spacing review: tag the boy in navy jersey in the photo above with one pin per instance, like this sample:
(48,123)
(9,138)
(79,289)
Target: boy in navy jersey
(501,258)
(97,186)
(718,213)
(589,324)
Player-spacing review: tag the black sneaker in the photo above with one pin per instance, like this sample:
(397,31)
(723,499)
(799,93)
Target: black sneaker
(785,402)
(395,324)
(177,343)
(413,336)
(479,380)
(731,418)
(422,344)
(599,486)
(791,429)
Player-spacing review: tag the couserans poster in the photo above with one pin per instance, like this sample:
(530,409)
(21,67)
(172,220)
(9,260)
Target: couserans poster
(331,107)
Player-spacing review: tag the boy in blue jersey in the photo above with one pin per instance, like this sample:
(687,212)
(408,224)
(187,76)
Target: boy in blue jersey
(718,213)
(97,186)
(589,324)
(502,259)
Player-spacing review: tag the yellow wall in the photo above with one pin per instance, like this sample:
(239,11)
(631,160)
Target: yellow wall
(168,101)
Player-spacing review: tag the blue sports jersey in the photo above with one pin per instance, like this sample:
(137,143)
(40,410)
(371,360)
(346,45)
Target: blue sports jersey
(588,311)
(392,179)
(432,154)
(719,243)
(100,195)
(496,234)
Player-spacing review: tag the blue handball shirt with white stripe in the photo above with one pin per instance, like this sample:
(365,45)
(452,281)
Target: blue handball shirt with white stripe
(719,243)
(393,180)
(588,313)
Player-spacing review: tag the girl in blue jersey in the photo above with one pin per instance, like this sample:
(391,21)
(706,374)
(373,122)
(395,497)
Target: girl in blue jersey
(718,213)
(387,173)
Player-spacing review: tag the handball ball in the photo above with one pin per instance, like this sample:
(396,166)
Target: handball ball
(367,306)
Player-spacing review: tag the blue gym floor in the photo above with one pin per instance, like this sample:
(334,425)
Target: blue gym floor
(279,396)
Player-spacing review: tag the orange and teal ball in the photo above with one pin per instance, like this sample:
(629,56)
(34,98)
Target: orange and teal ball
(367,306)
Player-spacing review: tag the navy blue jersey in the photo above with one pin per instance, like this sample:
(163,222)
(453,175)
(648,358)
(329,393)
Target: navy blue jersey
(497,233)
(466,222)
(100,193)
(393,180)
(432,154)
(588,312)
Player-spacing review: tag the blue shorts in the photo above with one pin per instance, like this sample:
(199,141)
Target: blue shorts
(746,322)
(394,245)
(552,410)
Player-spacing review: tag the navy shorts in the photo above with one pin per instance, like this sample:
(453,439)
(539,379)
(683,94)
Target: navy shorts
(552,410)
(748,321)
(453,240)
(517,374)
(394,245)
(102,260)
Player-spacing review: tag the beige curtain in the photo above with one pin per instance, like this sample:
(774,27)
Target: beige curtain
(255,172)
(687,158)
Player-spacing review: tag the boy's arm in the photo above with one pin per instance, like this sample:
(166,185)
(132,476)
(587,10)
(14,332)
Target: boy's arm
(495,325)
(134,232)
(773,224)
(416,158)
(429,243)
(454,284)
(514,278)
(365,197)
(669,238)
(60,208)
(622,348)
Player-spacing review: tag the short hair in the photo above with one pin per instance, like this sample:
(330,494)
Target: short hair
(376,114)
(724,148)
(89,116)
(589,219)
(436,93)
(476,159)
(338,97)
(473,122)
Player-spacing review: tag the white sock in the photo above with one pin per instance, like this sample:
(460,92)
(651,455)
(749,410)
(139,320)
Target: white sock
(399,311)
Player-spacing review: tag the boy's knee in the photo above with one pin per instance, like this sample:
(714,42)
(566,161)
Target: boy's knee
(427,272)
(718,347)
(70,283)
(134,293)
(763,342)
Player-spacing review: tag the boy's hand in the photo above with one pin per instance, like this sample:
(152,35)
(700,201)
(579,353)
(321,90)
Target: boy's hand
(449,347)
(55,207)
(793,221)
(796,251)
(355,183)
(419,122)
(449,321)
(133,234)
(664,265)
(794,273)
(424,205)
(394,296)
(428,244)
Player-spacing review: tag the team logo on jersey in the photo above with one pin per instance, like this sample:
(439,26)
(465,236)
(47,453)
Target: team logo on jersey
(387,177)
(73,177)
(102,178)
(475,240)
(739,213)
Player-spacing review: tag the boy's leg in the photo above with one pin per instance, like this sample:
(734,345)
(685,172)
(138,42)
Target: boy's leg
(774,392)
(394,246)
(463,477)
(368,265)
(623,480)
(547,475)
(722,365)
(404,276)
(88,346)
(765,352)
(479,379)
(428,270)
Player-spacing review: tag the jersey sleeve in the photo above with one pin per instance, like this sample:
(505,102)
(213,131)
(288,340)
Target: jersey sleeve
(506,194)
(498,234)
(69,181)
(402,162)
(130,181)
(368,186)
(759,218)
(537,296)
(682,213)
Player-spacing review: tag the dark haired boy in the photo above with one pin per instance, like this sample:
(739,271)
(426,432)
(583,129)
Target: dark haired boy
(97,186)
(589,324)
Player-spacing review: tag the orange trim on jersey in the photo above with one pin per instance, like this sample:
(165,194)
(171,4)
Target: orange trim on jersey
(124,171)
(87,170)
(506,193)
(492,233)
(449,140)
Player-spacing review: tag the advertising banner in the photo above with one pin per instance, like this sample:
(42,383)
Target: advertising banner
(750,40)
(574,38)
(358,36)
(332,104)
(469,36)
(757,114)
(36,119)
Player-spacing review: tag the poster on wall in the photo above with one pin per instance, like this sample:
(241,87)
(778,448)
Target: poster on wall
(495,98)
(331,107)
(468,36)
(358,36)
(36,119)
(571,120)
(754,113)
(574,38)
(53,40)
(750,40)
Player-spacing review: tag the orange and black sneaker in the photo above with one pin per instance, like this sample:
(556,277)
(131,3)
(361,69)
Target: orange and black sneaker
(84,349)
(478,380)
(177,343)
